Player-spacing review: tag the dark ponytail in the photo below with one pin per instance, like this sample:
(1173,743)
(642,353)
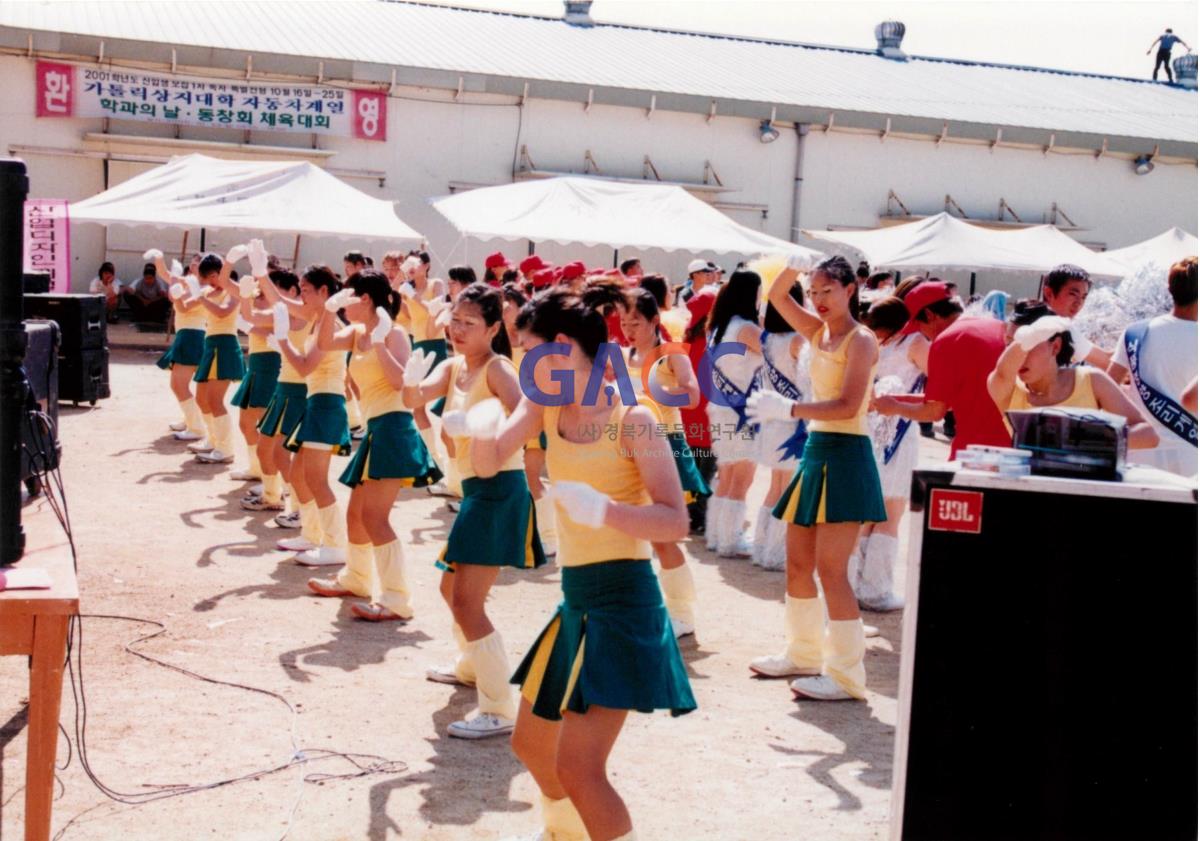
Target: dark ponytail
(491,309)
(838,269)
(738,297)
(322,277)
(374,285)
(561,311)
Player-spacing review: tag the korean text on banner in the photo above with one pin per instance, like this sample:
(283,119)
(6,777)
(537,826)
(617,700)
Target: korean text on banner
(66,90)
(48,241)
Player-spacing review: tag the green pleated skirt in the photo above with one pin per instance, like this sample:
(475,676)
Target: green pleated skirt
(496,525)
(324,423)
(609,643)
(285,411)
(836,482)
(391,449)
(440,351)
(258,386)
(694,486)
(187,348)
(221,360)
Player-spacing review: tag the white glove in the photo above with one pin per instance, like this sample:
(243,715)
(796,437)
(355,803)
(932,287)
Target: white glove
(383,329)
(243,325)
(581,502)
(176,291)
(769,406)
(247,287)
(406,290)
(258,258)
(338,300)
(484,419)
(273,344)
(1042,330)
(435,306)
(1082,345)
(176,269)
(443,318)
(799,261)
(152,254)
(454,423)
(419,365)
(238,252)
(410,264)
(193,285)
(282,321)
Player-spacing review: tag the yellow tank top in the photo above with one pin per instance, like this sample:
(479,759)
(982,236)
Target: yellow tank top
(216,325)
(418,322)
(458,399)
(1081,397)
(603,465)
(329,377)
(194,319)
(258,343)
(665,375)
(376,394)
(828,370)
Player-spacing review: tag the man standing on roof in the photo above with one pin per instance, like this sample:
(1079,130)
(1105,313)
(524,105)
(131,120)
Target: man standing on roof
(1165,42)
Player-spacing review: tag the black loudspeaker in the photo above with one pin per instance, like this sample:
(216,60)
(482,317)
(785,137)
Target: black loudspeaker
(37,282)
(81,319)
(40,449)
(83,375)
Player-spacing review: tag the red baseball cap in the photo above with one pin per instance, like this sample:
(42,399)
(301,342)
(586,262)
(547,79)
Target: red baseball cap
(495,261)
(531,264)
(573,270)
(545,277)
(921,296)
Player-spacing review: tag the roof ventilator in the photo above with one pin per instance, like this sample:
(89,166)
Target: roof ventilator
(1185,71)
(577,12)
(888,36)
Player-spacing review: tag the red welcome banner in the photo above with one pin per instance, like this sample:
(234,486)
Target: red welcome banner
(48,241)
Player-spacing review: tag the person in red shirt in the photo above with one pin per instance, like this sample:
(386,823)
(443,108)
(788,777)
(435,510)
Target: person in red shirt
(962,353)
(699,301)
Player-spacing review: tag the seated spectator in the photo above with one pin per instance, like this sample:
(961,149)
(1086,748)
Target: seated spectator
(147,298)
(105,283)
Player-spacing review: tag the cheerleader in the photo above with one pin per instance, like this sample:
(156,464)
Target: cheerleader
(221,362)
(323,429)
(614,494)
(535,448)
(902,357)
(186,349)
(779,442)
(835,489)
(496,525)
(423,299)
(732,322)
(672,376)
(285,408)
(391,456)
(262,373)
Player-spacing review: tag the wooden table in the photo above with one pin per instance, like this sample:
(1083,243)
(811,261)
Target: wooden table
(34,623)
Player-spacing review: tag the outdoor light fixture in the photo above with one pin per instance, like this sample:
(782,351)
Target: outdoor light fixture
(1142,166)
(766,134)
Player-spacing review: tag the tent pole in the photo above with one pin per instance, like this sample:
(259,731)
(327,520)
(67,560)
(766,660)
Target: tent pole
(296,253)
(203,235)
(972,283)
(530,254)
(183,248)
(616,257)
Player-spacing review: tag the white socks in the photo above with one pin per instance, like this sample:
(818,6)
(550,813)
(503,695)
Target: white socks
(252,457)
(761,525)
(333,526)
(712,521)
(843,649)
(273,487)
(730,542)
(210,429)
(310,523)
(562,820)
(222,427)
(679,593)
(464,669)
(874,584)
(192,416)
(358,575)
(544,508)
(393,586)
(774,556)
(804,619)
(491,676)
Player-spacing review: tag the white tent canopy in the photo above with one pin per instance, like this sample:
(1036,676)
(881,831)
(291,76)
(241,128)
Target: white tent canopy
(1163,250)
(293,197)
(591,211)
(946,242)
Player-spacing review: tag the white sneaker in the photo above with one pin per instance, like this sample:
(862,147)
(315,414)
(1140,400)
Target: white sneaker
(482,726)
(681,628)
(258,503)
(214,457)
(289,521)
(820,688)
(454,504)
(446,674)
(773,560)
(438,488)
(178,426)
(294,544)
(188,435)
(887,604)
(244,476)
(201,446)
(321,556)
(780,665)
(257,490)
(358,433)
(740,548)
(870,631)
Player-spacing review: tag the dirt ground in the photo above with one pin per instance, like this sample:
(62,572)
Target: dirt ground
(162,537)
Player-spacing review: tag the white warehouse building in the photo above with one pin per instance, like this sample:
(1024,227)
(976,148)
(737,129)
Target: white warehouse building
(782,137)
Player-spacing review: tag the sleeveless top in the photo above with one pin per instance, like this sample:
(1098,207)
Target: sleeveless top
(329,377)
(418,322)
(217,325)
(740,370)
(664,374)
(258,343)
(777,350)
(287,371)
(376,394)
(894,362)
(1081,397)
(194,319)
(458,399)
(603,465)
(828,370)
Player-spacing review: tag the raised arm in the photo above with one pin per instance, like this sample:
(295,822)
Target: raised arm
(861,355)
(391,346)
(1003,380)
(802,321)
(665,519)
(422,386)
(1141,433)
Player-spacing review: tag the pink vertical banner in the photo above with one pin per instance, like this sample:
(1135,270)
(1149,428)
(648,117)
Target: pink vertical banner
(55,89)
(48,241)
(370,115)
